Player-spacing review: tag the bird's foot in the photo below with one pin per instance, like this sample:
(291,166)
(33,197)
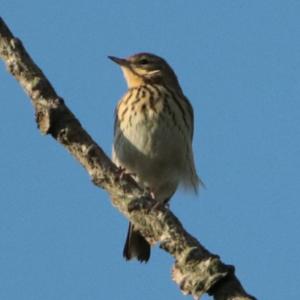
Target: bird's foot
(159,205)
(148,204)
(121,173)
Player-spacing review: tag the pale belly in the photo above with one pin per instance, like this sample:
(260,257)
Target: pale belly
(155,154)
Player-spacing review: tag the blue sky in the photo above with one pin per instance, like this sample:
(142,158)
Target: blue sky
(239,64)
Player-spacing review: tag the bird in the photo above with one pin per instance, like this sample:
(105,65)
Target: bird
(153,133)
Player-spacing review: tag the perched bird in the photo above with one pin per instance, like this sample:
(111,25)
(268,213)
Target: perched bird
(153,135)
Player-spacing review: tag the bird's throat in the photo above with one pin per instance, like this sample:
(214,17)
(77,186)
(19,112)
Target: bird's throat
(133,79)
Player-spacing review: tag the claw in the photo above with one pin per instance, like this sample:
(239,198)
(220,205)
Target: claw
(157,204)
(121,173)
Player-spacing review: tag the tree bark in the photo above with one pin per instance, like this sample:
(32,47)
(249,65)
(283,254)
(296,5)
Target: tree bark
(196,270)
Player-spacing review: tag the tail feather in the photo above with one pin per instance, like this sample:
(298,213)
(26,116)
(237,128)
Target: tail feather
(136,246)
(191,178)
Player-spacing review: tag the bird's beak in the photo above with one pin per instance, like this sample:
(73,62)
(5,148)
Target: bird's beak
(120,61)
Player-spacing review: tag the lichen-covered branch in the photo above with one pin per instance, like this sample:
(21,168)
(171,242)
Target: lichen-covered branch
(196,270)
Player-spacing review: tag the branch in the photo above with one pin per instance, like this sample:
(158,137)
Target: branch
(196,270)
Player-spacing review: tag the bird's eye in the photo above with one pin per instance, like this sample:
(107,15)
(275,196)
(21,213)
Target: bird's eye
(143,61)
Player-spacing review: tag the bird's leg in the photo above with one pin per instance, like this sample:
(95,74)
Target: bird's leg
(157,204)
(160,204)
(152,195)
(121,173)
(147,205)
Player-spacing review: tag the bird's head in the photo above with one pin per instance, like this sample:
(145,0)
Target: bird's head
(143,68)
